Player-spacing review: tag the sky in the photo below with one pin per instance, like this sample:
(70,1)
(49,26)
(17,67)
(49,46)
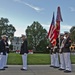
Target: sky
(22,13)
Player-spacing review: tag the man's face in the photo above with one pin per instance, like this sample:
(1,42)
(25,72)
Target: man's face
(62,37)
(23,38)
(4,38)
(65,35)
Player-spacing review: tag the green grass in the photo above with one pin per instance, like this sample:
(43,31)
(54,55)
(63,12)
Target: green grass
(33,59)
(14,59)
(39,59)
(73,59)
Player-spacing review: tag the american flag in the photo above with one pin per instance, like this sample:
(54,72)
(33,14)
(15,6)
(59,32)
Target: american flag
(52,31)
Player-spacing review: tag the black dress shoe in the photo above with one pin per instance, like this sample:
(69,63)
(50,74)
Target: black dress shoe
(67,71)
(61,69)
(51,66)
(55,67)
(6,67)
(2,69)
(23,69)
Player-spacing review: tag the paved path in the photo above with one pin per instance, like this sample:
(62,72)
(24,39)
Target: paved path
(34,70)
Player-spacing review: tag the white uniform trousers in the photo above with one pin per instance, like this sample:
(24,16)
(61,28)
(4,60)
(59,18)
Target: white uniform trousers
(67,61)
(24,59)
(56,64)
(5,59)
(52,59)
(1,61)
(62,63)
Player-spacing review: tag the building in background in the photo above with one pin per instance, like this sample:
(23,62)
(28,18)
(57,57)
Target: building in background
(16,42)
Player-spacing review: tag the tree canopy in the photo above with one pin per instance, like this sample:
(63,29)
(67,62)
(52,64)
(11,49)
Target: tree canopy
(72,34)
(36,35)
(6,28)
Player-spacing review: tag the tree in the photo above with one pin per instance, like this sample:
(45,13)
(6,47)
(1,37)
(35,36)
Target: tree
(36,35)
(42,47)
(6,28)
(9,30)
(72,33)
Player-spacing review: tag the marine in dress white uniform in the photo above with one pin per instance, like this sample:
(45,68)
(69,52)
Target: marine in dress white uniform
(24,52)
(56,50)
(50,47)
(7,52)
(61,56)
(2,52)
(66,53)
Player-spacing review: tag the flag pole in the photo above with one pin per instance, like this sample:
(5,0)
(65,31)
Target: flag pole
(59,39)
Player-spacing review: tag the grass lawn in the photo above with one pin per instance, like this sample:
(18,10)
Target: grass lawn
(73,59)
(33,59)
